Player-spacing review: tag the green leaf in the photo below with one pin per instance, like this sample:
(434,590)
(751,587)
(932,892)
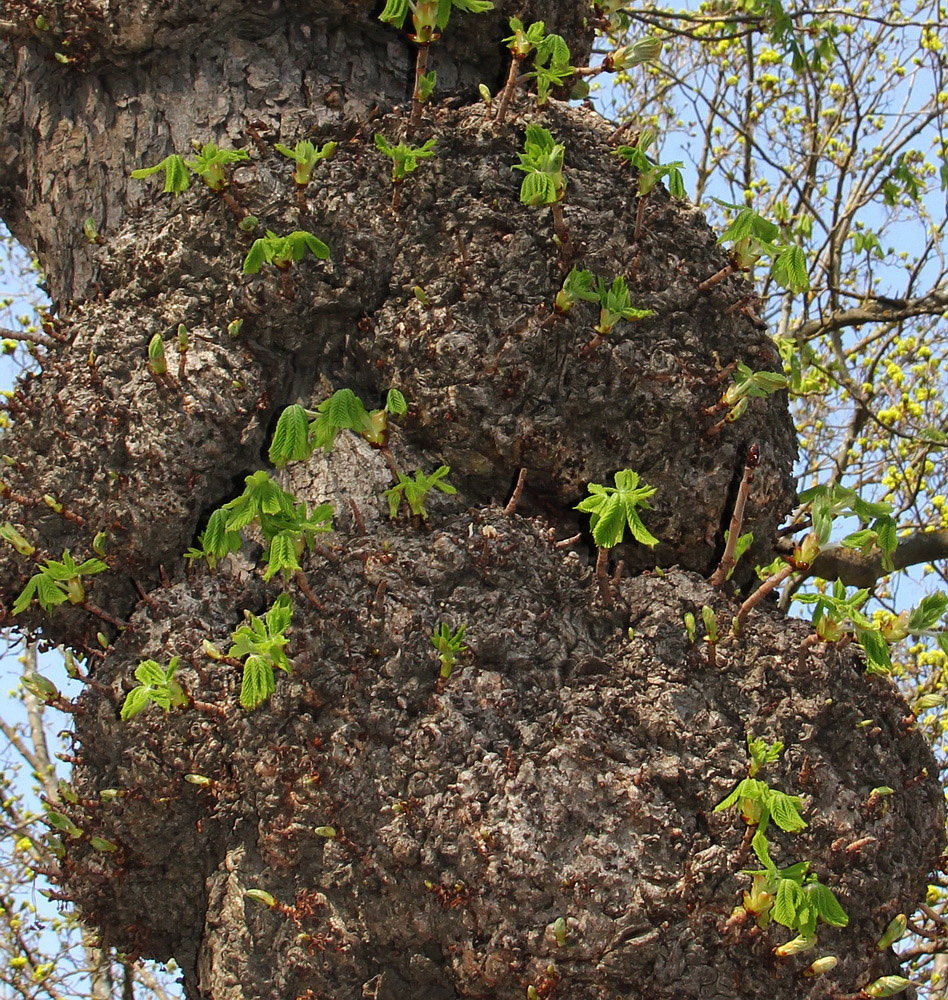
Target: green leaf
(150,672)
(612,508)
(395,403)
(177,177)
(300,241)
(790,904)
(930,609)
(747,788)
(135,701)
(878,659)
(256,256)
(345,410)
(291,437)
(789,269)
(538,189)
(257,683)
(280,557)
(785,811)
(395,12)
(827,905)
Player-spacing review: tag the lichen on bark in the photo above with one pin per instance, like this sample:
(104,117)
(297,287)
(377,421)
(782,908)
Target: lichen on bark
(570,765)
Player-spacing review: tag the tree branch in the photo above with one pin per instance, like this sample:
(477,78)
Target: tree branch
(857,570)
(879,310)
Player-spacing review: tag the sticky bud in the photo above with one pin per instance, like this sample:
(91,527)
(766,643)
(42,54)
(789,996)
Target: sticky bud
(156,355)
(198,779)
(887,986)
(9,534)
(184,338)
(110,794)
(211,650)
(102,639)
(893,932)
(325,831)
(794,947)
(52,503)
(233,327)
(559,931)
(262,897)
(640,51)
(40,687)
(821,966)
(248,223)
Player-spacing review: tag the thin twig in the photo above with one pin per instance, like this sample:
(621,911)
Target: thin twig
(511,507)
(728,561)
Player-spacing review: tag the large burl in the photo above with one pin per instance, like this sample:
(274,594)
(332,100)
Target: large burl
(568,768)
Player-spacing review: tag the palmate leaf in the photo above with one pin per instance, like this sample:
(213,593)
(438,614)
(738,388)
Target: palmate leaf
(257,256)
(928,612)
(792,907)
(47,592)
(291,437)
(177,177)
(395,403)
(216,540)
(612,509)
(150,672)
(300,241)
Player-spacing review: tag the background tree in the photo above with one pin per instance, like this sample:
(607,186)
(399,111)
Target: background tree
(542,814)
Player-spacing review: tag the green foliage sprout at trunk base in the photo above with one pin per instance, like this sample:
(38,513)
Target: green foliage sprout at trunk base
(789,896)
(283,251)
(288,527)
(261,644)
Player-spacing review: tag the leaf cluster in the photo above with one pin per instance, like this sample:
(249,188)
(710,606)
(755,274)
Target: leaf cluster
(288,528)
(650,172)
(615,303)
(405,159)
(429,17)
(208,165)
(58,582)
(551,66)
(305,155)
(283,251)
(449,646)
(415,491)
(789,896)
(612,509)
(542,162)
(156,684)
(261,643)
(299,432)
(752,237)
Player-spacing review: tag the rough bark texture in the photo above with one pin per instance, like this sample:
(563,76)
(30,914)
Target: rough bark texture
(570,765)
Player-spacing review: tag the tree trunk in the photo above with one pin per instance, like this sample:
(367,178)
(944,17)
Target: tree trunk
(569,766)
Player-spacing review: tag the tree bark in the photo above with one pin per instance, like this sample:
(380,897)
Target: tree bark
(570,764)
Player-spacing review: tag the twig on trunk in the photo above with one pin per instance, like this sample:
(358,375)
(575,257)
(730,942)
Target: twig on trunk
(728,560)
(511,507)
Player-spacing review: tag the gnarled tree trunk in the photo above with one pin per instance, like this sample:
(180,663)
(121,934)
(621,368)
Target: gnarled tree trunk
(569,766)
